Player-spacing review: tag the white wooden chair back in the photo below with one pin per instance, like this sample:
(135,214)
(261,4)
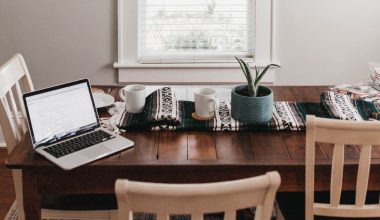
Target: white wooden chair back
(198,199)
(14,81)
(340,133)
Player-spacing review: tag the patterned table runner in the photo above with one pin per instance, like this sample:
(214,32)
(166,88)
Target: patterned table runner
(164,112)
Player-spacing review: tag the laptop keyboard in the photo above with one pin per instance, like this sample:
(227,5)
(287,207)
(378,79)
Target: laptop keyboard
(78,143)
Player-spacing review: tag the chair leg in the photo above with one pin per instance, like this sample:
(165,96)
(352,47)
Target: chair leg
(17,179)
(12,213)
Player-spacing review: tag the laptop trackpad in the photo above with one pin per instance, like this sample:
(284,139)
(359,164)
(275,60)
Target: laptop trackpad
(96,151)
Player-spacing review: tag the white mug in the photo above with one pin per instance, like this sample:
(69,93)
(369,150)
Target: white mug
(134,97)
(206,102)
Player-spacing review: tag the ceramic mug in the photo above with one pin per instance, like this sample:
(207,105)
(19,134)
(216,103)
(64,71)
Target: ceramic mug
(134,97)
(206,102)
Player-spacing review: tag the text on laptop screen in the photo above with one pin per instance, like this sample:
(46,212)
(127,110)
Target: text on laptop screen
(60,112)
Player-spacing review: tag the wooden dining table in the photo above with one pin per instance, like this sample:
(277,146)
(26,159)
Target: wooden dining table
(191,157)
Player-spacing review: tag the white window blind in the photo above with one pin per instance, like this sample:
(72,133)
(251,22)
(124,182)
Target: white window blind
(171,31)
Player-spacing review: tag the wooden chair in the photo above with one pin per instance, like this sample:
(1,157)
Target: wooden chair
(198,199)
(340,133)
(14,81)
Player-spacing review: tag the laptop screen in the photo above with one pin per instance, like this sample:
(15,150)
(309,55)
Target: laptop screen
(60,112)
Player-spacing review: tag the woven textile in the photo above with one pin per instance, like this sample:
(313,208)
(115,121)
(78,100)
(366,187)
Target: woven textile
(339,106)
(367,110)
(163,107)
(286,115)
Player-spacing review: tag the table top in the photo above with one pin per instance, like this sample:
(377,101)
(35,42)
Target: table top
(172,156)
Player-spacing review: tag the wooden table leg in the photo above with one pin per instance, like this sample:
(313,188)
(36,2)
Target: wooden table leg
(32,199)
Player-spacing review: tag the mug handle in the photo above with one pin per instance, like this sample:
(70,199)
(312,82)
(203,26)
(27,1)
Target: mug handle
(216,105)
(121,94)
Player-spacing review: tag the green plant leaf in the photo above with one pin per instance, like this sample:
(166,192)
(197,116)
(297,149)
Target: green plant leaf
(263,73)
(248,70)
(257,72)
(240,61)
(251,85)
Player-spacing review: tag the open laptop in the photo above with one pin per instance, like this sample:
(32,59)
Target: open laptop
(65,128)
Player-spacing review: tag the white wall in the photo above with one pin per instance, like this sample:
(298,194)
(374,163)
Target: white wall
(320,42)
(327,41)
(61,40)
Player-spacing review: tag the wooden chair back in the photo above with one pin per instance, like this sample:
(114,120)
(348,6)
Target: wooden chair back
(340,133)
(14,81)
(197,199)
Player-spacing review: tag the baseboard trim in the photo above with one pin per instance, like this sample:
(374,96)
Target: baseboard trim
(2,144)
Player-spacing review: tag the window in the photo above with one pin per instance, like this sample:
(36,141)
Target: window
(200,37)
(194,30)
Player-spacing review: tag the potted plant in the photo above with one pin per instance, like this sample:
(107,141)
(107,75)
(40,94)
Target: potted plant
(252,103)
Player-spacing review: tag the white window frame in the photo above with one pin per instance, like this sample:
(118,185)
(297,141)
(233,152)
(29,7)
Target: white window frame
(131,71)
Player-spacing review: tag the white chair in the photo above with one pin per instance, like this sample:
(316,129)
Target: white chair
(198,199)
(340,133)
(14,81)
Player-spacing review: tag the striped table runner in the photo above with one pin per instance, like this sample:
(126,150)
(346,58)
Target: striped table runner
(163,112)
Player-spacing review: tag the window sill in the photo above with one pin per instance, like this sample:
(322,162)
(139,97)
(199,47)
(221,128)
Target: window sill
(183,65)
(189,73)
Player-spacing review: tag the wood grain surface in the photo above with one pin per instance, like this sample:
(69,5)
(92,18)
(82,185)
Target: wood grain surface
(189,157)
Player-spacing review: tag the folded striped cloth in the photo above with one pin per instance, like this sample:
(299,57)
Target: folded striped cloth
(339,106)
(342,106)
(161,107)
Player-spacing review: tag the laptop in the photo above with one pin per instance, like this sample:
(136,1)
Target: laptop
(65,128)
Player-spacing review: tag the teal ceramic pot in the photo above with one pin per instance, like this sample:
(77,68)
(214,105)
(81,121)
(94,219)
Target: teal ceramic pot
(253,110)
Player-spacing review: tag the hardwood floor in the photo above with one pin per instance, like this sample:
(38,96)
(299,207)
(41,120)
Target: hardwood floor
(7,194)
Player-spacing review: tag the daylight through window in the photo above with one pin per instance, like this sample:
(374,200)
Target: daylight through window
(195,30)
